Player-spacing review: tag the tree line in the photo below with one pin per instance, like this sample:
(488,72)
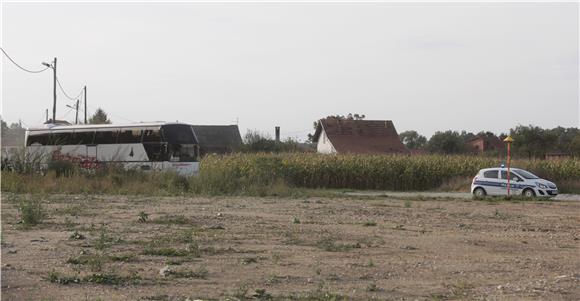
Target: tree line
(529,141)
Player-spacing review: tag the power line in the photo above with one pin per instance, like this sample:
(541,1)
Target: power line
(16,64)
(70,110)
(66,95)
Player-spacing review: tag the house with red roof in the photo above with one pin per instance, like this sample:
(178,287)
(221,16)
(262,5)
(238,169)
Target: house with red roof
(339,135)
(485,143)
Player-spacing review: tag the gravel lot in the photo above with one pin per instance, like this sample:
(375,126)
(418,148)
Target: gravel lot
(393,246)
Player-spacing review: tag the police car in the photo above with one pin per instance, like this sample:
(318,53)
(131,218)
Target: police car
(493,181)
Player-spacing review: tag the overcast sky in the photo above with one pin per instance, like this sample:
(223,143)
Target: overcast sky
(427,67)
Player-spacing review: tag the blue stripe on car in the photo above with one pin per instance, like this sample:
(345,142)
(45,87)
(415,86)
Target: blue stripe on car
(496,184)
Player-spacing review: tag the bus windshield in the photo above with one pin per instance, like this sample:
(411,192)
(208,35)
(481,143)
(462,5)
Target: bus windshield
(181,143)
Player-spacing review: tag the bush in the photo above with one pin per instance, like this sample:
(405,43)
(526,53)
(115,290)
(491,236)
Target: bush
(62,168)
(31,212)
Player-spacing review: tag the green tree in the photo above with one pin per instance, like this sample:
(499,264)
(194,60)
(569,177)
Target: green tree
(100,117)
(349,116)
(448,142)
(255,141)
(412,139)
(531,141)
(574,147)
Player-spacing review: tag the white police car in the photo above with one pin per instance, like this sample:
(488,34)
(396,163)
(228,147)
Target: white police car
(493,181)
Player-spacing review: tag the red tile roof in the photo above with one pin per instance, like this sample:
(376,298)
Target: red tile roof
(361,136)
(489,142)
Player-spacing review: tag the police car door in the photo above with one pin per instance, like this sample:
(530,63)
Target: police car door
(515,187)
(490,182)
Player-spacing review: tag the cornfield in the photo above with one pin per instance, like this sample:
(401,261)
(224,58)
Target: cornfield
(398,173)
(277,174)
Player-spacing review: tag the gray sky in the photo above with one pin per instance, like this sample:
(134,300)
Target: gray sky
(427,67)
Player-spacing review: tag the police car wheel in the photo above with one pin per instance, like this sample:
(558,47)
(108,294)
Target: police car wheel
(479,192)
(529,193)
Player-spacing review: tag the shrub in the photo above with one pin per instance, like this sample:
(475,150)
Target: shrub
(32,212)
(62,168)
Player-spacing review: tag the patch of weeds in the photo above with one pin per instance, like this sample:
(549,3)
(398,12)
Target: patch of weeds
(164,252)
(273,279)
(276,257)
(94,262)
(186,236)
(173,262)
(317,295)
(69,224)
(200,273)
(369,224)
(330,245)
(333,277)
(56,277)
(124,258)
(407,204)
(143,217)
(73,210)
(76,236)
(372,287)
(261,294)
(499,215)
(191,250)
(399,227)
(370,264)
(111,279)
(438,297)
(241,292)
(410,248)
(249,260)
(31,212)
(461,288)
(172,219)
(292,239)
(164,298)
(104,240)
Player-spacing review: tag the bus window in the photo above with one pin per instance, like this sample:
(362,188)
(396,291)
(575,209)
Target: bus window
(156,151)
(129,136)
(82,138)
(151,136)
(61,139)
(42,139)
(178,134)
(106,137)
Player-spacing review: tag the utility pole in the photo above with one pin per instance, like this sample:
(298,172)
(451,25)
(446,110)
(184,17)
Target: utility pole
(76,107)
(53,66)
(46,115)
(77,116)
(54,92)
(85,99)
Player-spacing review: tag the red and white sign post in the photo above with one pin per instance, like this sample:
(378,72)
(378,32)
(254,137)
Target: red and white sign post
(509,141)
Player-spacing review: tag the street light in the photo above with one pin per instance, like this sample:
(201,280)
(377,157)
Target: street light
(509,141)
(53,66)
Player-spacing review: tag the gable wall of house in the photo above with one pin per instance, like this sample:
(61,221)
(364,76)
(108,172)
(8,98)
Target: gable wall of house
(324,146)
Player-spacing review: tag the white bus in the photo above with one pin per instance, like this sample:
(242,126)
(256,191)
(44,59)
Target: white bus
(145,146)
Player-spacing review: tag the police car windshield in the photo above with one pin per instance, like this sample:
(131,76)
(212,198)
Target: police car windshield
(525,174)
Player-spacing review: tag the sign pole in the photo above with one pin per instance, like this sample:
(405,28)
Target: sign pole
(509,141)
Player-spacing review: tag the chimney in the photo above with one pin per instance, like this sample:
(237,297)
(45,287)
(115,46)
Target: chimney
(277,130)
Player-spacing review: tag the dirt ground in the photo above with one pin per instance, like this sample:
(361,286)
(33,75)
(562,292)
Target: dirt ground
(357,248)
